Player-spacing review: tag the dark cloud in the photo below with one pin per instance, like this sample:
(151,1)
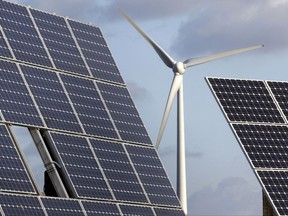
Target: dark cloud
(228,198)
(223,25)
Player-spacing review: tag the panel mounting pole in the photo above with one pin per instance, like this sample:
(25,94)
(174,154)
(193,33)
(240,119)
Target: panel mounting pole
(181,160)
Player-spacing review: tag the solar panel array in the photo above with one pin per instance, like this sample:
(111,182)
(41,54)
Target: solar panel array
(58,75)
(257,113)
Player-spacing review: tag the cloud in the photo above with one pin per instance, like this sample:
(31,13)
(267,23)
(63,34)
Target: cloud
(138,93)
(222,25)
(232,196)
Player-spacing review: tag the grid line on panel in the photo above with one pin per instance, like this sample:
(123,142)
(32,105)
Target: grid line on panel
(245,100)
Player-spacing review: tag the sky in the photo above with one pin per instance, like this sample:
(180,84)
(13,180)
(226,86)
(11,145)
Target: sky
(219,178)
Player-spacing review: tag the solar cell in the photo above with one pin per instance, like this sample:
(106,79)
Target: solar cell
(13,174)
(124,113)
(245,100)
(152,175)
(80,167)
(96,52)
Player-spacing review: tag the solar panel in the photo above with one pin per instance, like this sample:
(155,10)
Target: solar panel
(12,204)
(16,102)
(96,52)
(22,35)
(124,113)
(119,171)
(59,79)
(136,210)
(245,100)
(13,175)
(260,125)
(62,207)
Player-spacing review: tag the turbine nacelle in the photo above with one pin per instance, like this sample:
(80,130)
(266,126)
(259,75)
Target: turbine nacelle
(179,68)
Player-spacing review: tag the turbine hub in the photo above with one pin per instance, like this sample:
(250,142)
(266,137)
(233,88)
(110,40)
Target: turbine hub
(179,67)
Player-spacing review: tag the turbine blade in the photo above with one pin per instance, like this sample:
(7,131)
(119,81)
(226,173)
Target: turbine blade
(192,62)
(177,82)
(168,60)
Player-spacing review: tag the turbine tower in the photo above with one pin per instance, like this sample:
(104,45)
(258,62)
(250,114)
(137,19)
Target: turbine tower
(179,69)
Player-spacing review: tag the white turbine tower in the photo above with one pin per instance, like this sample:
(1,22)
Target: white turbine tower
(179,69)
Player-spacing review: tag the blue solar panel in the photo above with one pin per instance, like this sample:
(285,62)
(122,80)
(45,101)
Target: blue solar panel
(245,100)
(22,35)
(100,208)
(14,205)
(169,212)
(89,106)
(80,166)
(13,174)
(136,210)
(152,175)
(96,52)
(124,113)
(62,207)
(16,103)
(266,145)
(54,31)
(51,99)
(119,171)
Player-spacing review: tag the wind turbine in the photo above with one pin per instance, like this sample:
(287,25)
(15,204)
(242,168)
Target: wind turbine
(179,69)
